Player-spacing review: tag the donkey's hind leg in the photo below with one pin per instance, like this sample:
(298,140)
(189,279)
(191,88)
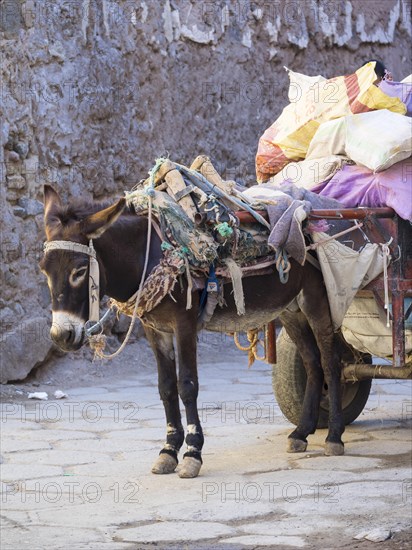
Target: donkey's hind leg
(162,345)
(298,329)
(314,303)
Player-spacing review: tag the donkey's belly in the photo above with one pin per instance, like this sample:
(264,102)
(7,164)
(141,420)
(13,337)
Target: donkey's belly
(225,320)
(265,299)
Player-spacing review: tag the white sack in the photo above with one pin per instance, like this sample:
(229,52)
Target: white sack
(377,139)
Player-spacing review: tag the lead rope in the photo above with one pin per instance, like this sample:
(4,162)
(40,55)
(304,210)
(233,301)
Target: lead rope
(98,341)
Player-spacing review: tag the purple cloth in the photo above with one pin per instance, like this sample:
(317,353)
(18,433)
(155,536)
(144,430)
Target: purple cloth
(358,186)
(401,90)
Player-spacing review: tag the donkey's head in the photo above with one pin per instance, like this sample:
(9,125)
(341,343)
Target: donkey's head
(68,267)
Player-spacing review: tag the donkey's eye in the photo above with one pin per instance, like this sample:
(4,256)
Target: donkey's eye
(77,276)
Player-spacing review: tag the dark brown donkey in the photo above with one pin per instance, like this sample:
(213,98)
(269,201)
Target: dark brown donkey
(120,243)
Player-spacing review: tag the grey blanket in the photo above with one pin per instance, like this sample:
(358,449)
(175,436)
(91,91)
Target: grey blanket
(287,215)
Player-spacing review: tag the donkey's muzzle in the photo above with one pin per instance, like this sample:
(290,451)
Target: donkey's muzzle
(67,331)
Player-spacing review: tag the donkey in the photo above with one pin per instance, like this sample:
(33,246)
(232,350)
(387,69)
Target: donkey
(120,237)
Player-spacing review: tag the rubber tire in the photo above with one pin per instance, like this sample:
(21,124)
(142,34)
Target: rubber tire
(289,383)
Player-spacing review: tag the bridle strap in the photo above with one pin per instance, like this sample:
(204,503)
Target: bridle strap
(71,247)
(94,276)
(94,288)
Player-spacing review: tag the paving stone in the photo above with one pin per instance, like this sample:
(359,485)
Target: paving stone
(267,540)
(396,433)
(16,472)
(11,424)
(107,546)
(106,512)
(119,470)
(137,433)
(96,424)
(200,509)
(87,392)
(174,531)
(60,458)
(16,445)
(376,448)
(55,537)
(51,435)
(105,445)
(282,527)
(114,500)
(341,463)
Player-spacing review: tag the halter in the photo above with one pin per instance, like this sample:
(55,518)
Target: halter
(94,290)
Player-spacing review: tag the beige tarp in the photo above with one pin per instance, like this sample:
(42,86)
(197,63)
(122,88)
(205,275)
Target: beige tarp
(364,327)
(346,271)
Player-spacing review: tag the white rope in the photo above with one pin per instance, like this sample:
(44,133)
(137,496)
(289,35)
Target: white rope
(189,284)
(214,207)
(386,259)
(236,276)
(313,246)
(95,339)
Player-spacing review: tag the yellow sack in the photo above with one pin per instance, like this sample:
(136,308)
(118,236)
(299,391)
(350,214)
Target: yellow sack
(289,136)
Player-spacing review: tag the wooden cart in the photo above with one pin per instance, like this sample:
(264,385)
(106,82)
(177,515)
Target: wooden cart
(289,377)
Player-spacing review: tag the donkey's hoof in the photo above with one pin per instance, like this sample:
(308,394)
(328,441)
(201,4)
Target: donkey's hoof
(190,467)
(334,449)
(296,445)
(165,464)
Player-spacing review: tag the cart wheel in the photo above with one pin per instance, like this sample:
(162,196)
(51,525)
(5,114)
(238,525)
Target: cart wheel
(289,383)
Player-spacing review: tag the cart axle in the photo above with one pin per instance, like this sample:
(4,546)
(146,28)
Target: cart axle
(357,372)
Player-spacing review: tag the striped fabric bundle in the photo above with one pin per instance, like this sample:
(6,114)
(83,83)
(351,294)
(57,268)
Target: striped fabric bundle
(289,136)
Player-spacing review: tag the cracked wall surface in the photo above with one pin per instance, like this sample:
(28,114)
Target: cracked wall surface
(92,92)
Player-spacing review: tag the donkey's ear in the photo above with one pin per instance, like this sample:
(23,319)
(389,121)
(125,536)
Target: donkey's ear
(96,224)
(52,200)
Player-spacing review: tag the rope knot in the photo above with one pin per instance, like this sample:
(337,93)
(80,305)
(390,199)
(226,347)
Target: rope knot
(224,229)
(252,348)
(166,246)
(282,265)
(98,344)
(149,190)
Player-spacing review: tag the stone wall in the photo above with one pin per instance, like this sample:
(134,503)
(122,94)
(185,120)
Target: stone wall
(93,91)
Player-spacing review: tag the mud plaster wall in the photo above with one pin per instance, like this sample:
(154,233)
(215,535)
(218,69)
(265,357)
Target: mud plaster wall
(93,91)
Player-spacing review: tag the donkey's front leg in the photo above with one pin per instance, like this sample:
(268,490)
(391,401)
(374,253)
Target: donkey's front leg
(188,386)
(162,346)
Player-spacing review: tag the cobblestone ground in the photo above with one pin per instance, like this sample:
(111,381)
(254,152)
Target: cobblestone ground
(76,472)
